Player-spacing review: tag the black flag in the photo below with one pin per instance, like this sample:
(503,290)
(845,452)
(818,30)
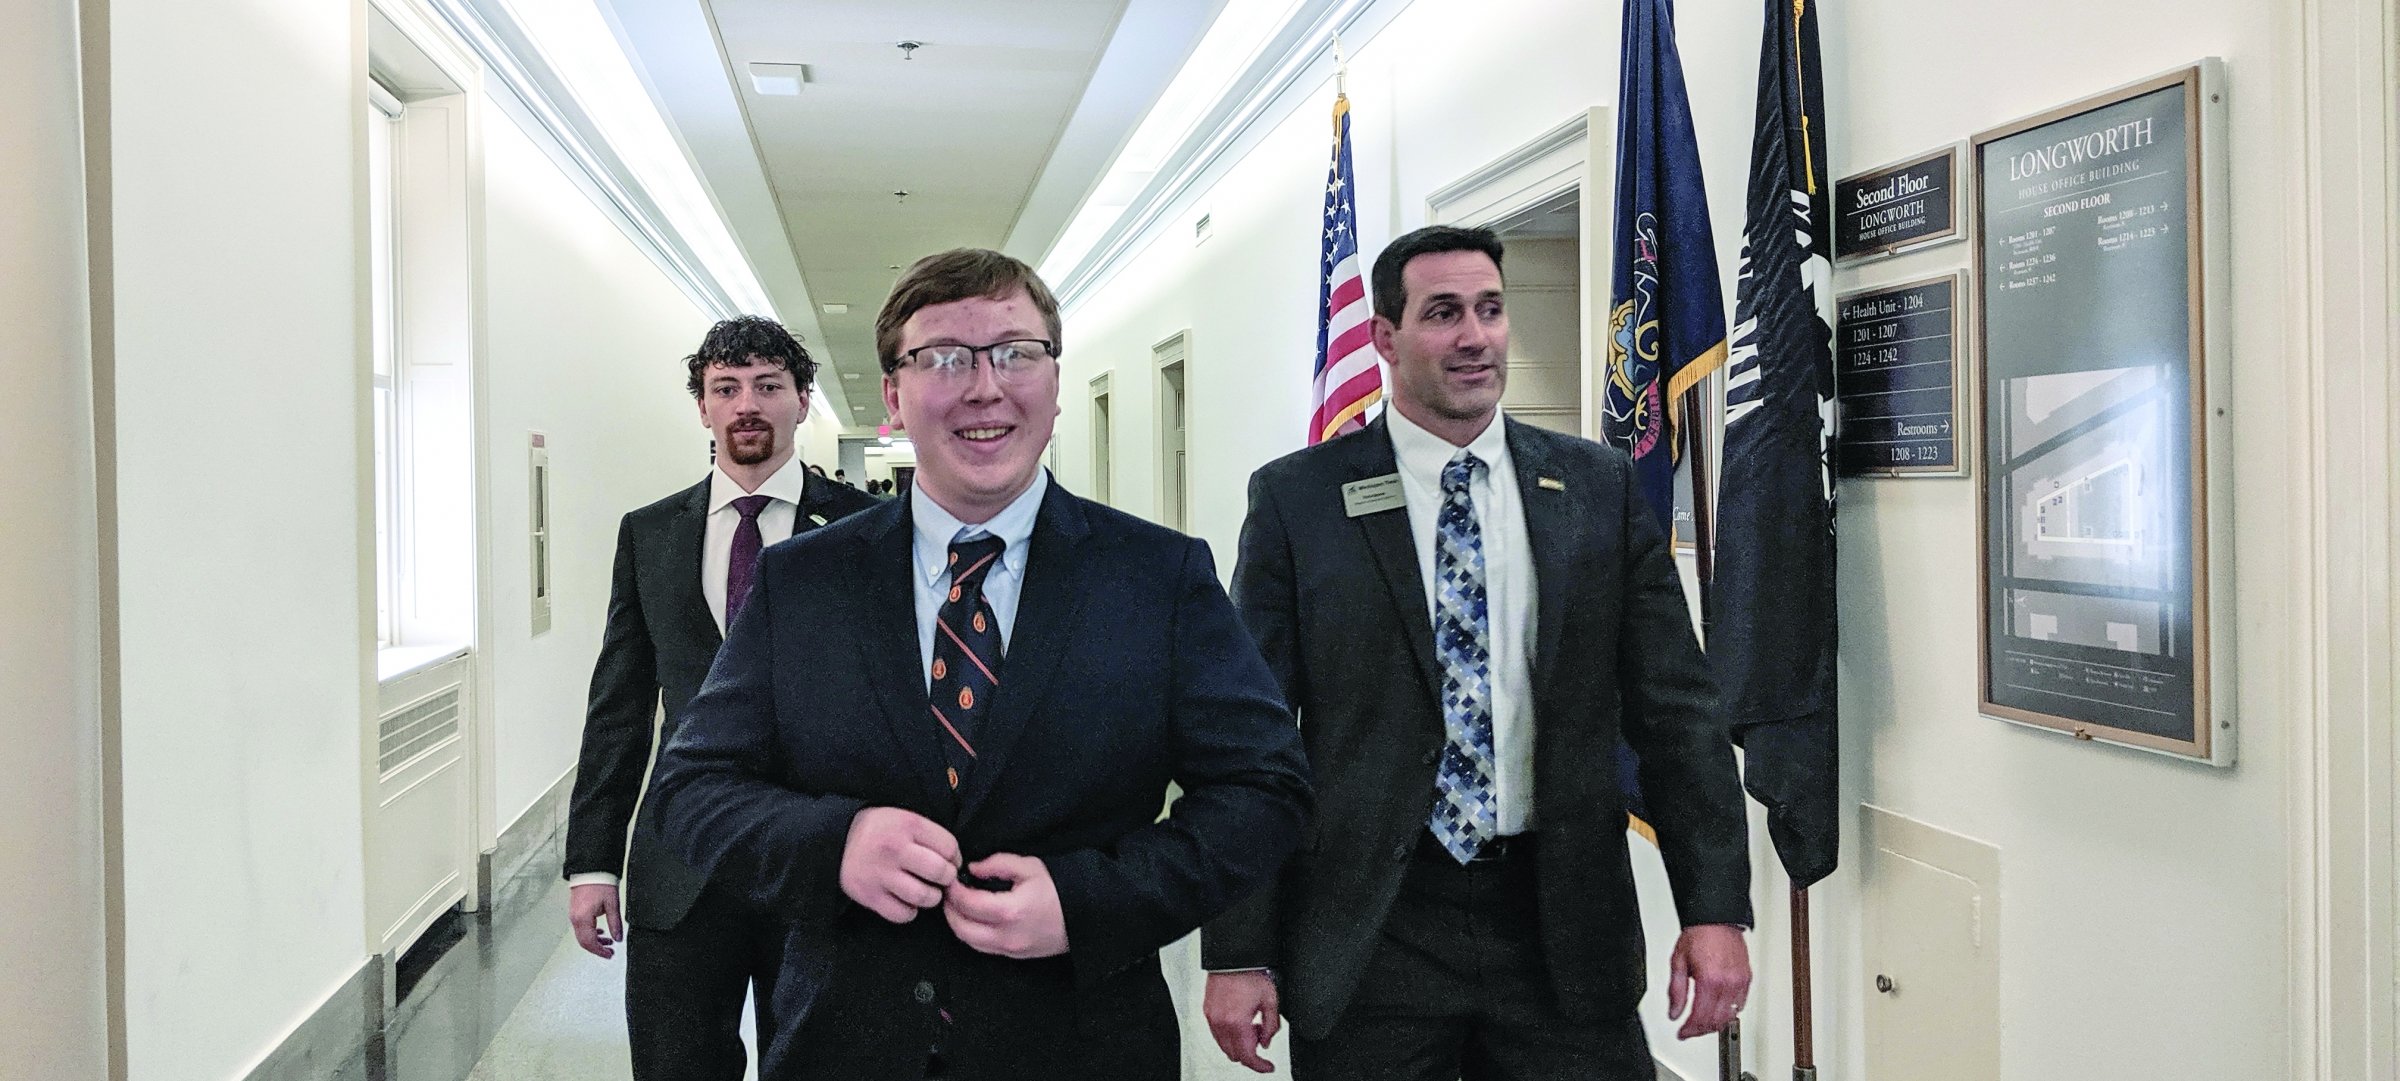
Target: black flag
(1771,604)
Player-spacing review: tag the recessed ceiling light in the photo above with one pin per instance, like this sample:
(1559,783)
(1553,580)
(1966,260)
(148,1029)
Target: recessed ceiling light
(778,80)
(834,309)
(849,375)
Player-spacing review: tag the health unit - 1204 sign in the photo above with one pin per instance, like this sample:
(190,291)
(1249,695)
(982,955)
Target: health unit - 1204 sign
(2106,553)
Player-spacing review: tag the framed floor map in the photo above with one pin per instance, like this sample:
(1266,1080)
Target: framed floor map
(2105,546)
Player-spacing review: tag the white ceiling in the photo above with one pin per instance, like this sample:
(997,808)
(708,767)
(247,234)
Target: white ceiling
(997,127)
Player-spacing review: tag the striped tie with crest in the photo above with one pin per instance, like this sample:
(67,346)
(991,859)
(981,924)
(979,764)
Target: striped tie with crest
(966,653)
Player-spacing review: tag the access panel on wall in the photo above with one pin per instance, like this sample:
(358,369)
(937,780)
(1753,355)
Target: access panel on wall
(2104,547)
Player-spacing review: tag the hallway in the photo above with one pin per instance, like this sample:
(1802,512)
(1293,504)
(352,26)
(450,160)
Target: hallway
(338,339)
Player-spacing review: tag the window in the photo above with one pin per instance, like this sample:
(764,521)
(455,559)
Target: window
(383,121)
(419,370)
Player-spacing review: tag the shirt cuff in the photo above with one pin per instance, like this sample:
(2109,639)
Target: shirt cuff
(591,878)
(1238,971)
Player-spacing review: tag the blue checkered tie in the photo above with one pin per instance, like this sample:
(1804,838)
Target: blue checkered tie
(1467,814)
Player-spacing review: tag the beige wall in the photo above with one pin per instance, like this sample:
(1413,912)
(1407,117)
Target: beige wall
(585,346)
(2145,905)
(52,1002)
(237,216)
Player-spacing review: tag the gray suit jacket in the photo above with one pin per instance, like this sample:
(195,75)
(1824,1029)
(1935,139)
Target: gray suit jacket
(1339,612)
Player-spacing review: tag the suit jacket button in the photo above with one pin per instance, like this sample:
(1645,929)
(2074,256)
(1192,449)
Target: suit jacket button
(1400,852)
(924,992)
(1432,757)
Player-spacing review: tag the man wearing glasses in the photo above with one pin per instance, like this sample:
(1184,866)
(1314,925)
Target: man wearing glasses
(940,733)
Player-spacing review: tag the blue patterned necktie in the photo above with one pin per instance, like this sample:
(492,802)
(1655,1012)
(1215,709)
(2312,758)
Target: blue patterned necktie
(1467,812)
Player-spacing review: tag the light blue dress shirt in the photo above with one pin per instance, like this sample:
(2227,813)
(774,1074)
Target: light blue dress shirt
(1002,585)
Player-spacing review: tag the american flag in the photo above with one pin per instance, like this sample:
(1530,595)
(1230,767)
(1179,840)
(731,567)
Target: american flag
(1348,379)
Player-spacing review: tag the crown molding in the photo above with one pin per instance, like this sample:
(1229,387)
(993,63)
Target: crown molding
(531,92)
(1298,57)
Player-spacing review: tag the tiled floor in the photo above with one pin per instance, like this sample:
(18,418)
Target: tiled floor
(462,1000)
(513,1000)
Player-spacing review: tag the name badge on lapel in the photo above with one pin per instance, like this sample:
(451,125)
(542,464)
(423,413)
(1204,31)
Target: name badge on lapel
(1372,495)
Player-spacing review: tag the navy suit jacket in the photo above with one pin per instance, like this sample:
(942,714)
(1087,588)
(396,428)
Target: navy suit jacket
(1127,670)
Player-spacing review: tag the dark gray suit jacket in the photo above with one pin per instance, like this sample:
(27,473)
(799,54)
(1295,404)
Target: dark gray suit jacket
(658,645)
(1340,613)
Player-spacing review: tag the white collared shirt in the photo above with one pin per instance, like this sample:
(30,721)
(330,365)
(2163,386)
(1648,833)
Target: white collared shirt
(1508,586)
(775,523)
(1002,585)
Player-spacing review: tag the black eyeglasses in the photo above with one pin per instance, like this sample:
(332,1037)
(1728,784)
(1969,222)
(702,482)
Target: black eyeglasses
(1006,359)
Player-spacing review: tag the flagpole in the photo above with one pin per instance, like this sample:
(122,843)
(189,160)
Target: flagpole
(1804,1006)
(1704,507)
(1704,561)
(1704,530)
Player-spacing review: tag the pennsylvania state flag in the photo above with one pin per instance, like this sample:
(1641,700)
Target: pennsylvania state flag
(1666,324)
(1666,313)
(1771,640)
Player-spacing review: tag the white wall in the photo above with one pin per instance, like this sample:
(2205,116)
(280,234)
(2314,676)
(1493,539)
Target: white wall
(2145,884)
(2143,899)
(238,213)
(51,943)
(585,344)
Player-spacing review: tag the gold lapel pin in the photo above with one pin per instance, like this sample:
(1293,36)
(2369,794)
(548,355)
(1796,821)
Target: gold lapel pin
(1552,483)
(817,518)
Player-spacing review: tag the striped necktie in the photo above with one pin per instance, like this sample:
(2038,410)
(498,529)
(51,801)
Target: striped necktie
(966,653)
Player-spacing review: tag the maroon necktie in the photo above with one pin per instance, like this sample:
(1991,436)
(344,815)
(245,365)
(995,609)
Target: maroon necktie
(744,564)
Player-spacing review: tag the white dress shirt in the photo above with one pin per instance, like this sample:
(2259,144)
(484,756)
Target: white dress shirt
(1002,585)
(775,523)
(1508,588)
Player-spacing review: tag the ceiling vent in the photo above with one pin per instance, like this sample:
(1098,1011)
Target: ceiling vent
(778,80)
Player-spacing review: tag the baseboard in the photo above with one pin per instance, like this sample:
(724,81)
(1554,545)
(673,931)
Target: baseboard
(524,839)
(332,1035)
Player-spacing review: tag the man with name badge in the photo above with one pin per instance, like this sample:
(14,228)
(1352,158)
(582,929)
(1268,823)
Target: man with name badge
(1464,611)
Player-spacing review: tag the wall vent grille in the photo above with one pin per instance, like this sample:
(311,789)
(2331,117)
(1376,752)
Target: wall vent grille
(416,728)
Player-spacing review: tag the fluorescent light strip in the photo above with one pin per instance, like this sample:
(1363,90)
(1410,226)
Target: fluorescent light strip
(469,23)
(575,41)
(1231,43)
(1074,269)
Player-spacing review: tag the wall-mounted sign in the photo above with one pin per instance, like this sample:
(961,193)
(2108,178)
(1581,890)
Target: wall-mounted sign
(1913,204)
(2102,349)
(1895,357)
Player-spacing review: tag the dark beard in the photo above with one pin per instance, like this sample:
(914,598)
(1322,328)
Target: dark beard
(734,451)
